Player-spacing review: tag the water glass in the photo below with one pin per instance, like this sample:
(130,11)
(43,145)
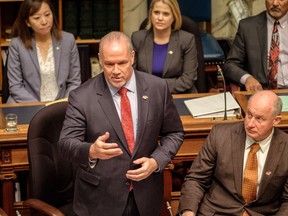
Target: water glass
(11,122)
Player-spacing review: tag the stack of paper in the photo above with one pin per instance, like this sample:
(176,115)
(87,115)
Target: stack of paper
(213,106)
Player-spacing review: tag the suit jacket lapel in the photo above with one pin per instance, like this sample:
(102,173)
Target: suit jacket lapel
(238,146)
(57,53)
(110,111)
(143,109)
(172,47)
(34,57)
(108,107)
(149,44)
(276,148)
(262,38)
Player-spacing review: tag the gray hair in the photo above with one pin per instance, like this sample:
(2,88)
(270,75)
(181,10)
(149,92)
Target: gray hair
(278,104)
(115,36)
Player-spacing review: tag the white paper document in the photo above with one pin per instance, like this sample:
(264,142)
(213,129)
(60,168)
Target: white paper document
(213,106)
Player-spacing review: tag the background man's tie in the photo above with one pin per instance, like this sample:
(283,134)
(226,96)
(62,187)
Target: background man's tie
(126,119)
(273,58)
(249,186)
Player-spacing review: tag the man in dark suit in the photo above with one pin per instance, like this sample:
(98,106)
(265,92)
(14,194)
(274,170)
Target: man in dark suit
(247,61)
(113,180)
(214,184)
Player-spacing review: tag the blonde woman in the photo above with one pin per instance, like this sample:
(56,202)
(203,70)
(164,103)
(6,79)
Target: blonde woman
(162,49)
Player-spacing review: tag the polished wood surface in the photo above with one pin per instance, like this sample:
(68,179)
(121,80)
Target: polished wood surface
(196,130)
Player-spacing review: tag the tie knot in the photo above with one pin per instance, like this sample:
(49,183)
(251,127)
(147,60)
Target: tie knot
(254,147)
(275,27)
(123,91)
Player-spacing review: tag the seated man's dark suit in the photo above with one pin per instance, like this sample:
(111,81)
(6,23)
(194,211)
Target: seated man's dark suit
(248,53)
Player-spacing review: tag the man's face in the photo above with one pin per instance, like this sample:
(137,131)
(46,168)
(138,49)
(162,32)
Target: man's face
(260,120)
(277,8)
(116,60)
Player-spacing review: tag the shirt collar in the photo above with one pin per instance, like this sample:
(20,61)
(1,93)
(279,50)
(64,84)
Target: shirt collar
(264,144)
(130,85)
(282,22)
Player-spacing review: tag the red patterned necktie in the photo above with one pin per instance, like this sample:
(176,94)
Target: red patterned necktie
(273,58)
(126,119)
(250,181)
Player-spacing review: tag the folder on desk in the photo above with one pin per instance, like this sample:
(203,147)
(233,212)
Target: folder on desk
(213,106)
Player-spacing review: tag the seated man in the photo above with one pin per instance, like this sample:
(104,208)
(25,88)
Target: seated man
(242,168)
(258,58)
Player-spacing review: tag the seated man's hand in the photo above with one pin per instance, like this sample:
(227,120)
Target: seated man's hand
(253,85)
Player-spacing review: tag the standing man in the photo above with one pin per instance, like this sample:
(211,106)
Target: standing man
(242,168)
(120,159)
(258,57)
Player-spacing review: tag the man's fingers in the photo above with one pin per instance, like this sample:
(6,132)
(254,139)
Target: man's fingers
(104,137)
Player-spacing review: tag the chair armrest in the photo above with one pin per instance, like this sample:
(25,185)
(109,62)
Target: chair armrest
(43,207)
(2,213)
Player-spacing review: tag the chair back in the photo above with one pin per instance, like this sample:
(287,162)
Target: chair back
(191,26)
(200,11)
(51,178)
(5,83)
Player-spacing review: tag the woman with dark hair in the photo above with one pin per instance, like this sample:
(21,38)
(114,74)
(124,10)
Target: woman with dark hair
(162,49)
(43,62)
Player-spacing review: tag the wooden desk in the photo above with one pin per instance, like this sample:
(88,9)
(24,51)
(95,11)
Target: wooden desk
(14,157)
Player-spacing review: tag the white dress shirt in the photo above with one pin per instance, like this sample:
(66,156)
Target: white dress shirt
(261,154)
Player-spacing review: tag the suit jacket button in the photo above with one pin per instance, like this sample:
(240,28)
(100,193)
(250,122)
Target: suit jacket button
(127,183)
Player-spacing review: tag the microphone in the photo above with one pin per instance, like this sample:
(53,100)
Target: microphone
(169,208)
(224,90)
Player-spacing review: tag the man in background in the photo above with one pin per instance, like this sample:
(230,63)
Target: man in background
(258,57)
